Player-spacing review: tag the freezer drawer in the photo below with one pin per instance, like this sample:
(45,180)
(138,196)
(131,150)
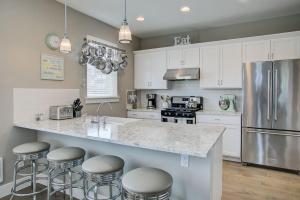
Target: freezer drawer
(271,148)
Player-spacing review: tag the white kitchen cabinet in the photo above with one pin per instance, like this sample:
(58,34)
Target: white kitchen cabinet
(285,48)
(149,69)
(183,57)
(210,67)
(221,66)
(143,115)
(231,66)
(231,136)
(256,51)
(275,49)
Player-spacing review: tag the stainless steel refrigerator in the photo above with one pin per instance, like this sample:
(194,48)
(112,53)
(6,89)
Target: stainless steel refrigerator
(271,114)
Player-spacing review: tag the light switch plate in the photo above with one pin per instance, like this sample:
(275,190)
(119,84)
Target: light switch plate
(1,169)
(184,160)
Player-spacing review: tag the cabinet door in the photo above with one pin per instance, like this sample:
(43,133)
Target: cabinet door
(174,58)
(284,48)
(142,71)
(232,141)
(190,57)
(231,66)
(158,69)
(256,51)
(210,67)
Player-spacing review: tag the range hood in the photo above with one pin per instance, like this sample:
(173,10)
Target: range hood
(182,74)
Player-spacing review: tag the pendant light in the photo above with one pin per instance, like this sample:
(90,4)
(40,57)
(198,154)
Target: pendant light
(125,34)
(65,45)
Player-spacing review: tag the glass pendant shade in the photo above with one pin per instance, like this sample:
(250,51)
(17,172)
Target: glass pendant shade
(65,45)
(125,33)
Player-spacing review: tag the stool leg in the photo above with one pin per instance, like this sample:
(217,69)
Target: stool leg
(64,184)
(84,186)
(49,184)
(71,185)
(96,192)
(14,179)
(33,180)
(110,191)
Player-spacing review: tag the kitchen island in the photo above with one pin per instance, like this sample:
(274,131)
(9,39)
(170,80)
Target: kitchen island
(192,154)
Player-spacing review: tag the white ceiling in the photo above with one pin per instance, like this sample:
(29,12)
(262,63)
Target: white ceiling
(164,17)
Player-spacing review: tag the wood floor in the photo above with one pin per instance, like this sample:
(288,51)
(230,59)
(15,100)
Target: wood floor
(246,183)
(252,183)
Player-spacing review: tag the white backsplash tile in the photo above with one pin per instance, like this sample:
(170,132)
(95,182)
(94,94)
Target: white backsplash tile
(192,88)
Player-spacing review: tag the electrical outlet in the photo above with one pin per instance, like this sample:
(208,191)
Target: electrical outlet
(1,169)
(184,160)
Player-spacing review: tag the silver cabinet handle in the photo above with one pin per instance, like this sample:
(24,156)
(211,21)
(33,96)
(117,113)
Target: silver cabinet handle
(276,95)
(270,133)
(272,56)
(269,94)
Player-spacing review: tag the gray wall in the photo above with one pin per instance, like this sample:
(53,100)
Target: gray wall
(24,25)
(270,26)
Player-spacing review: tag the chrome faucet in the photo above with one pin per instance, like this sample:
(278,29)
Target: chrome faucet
(97,121)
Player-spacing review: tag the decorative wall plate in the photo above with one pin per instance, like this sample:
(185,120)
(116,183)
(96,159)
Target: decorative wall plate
(52,41)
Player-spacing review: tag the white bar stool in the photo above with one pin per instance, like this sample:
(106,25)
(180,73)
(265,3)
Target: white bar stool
(103,172)
(29,154)
(147,184)
(61,173)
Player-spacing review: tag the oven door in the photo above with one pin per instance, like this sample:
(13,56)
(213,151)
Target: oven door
(167,119)
(182,120)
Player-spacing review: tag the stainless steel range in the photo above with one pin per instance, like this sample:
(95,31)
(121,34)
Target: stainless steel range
(183,110)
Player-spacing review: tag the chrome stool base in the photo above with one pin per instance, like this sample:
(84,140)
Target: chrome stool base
(99,181)
(61,177)
(165,195)
(35,169)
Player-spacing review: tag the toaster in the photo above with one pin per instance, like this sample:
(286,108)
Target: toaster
(60,112)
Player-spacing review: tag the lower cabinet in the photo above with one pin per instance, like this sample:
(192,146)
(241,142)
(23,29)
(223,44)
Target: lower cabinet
(231,136)
(143,115)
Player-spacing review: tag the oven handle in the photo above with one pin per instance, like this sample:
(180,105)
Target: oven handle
(270,133)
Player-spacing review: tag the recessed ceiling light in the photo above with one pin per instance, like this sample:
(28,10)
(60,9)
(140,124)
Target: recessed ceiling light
(140,19)
(185,9)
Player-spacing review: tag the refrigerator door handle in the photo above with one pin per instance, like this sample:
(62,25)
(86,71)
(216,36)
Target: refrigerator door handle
(276,95)
(270,133)
(269,94)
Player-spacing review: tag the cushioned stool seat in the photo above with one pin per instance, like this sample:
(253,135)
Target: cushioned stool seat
(65,154)
(147,181)
(31,148)
(103,164)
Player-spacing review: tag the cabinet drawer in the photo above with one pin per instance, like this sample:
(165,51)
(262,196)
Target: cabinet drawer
(219,119)
(143,115)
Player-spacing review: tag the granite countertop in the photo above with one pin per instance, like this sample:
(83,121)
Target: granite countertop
(193,140)
(202,112)
(144,110)
(218,112)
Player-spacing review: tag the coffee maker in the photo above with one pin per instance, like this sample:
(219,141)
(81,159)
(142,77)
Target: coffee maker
(151,101)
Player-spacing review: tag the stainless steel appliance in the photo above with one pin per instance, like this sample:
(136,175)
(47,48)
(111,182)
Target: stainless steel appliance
(271,114)
(182,74)
(151,101)
(183,110)
(60,112)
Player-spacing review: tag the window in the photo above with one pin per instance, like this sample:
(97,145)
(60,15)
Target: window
(101,87)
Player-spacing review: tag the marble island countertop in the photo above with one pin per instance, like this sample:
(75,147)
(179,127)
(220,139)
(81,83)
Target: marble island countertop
(193,140)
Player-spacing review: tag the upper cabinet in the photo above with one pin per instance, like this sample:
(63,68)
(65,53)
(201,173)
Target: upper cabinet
(285,48)
(221,66)
(268,50)
(182,57)
(256,51)
(149,69)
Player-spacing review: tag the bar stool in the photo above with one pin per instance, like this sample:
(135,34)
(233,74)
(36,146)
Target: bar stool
(103,172)
(147,184)
(61,173)
(30,154)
